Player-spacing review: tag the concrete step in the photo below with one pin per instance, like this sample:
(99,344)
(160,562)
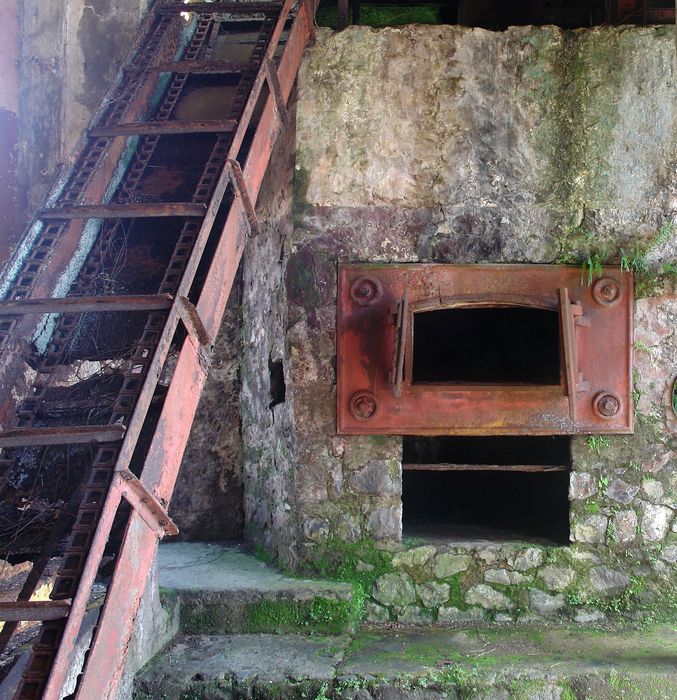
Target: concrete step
(424,663)
(219,588)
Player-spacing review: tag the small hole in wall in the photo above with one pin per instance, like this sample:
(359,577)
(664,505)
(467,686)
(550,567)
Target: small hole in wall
(278,388)
(673,396)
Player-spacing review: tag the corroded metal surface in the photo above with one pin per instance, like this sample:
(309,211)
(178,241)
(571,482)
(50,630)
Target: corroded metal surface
(376,392)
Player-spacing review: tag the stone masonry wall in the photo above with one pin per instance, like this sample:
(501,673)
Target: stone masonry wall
(266,393)
(449,144)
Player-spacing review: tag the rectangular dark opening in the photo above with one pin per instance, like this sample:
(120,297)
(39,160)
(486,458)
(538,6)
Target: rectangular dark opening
(487,345)
(486,488)
(501,450)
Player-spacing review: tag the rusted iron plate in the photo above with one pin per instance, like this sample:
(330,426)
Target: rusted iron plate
(602,329)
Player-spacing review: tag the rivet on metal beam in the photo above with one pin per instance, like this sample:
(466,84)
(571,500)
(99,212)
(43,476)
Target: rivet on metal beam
(146,505)
(274,84)
(237,180)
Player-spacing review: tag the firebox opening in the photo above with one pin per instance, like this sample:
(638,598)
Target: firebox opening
(486,488)
(487,345)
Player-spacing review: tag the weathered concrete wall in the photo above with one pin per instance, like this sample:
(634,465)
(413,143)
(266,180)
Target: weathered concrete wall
(69,53)
(455,145)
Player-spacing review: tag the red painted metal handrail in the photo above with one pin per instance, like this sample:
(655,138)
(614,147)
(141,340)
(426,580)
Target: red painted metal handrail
(106,658)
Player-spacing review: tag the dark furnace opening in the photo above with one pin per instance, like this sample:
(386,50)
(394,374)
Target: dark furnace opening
(486,488)
(480,345)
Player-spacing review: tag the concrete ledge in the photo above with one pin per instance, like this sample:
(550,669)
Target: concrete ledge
(519,663)
(221,589)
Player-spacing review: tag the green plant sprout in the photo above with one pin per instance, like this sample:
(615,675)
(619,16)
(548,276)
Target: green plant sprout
(598,443)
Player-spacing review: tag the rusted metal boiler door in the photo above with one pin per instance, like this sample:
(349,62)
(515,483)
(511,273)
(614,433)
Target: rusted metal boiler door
(483,350)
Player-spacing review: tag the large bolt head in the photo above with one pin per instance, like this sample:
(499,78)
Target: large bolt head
(363,405)
(606,405)
(366,291)
(606,291)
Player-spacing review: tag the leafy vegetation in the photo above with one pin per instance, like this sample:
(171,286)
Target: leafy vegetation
(598,443)
(580,245)
(358,563)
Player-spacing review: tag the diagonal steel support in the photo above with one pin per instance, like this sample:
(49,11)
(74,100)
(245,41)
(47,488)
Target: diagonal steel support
(153,513)
(192,321)
(274,84)
(240,187)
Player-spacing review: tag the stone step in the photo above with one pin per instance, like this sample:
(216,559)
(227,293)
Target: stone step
(220,589)
(424,663)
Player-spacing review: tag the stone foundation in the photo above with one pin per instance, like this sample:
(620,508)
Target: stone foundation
(448,144)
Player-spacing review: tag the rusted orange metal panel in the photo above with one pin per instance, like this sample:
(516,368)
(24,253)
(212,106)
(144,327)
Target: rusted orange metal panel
(594,343)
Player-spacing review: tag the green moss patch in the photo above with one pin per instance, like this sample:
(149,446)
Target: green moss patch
(320,616)
(383,15)
(358,563)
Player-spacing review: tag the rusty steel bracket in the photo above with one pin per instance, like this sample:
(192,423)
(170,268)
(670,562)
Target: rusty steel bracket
(240,187)
(146,505)
(571,315)
(274,84)
(401,319)
(192,321)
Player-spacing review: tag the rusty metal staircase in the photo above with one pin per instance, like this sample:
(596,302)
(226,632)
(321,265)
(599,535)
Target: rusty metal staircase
(134,441)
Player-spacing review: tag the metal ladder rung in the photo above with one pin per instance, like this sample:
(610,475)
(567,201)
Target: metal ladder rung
(204,126)
(34,610)
(124,211)
(68,435)
(231,8)
(204,67)
(20,307)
